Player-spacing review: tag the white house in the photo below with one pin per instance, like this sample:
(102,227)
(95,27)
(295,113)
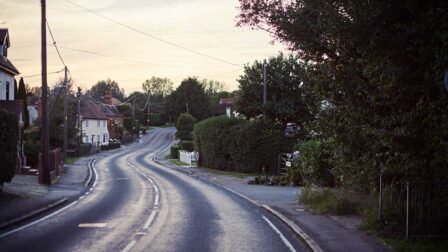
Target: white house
(93,123)
(7,69)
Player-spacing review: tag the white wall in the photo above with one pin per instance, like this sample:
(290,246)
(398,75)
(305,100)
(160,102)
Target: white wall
(4,78)
(90,128)
(32,110)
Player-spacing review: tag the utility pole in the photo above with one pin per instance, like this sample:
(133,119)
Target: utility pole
(79,118)
(265,70)
(65,113)
(46,179)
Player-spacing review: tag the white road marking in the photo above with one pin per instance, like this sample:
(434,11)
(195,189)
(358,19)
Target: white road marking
(96,174)
(129,246)
(285,241)
(156,189)
(37,221)
(156,200)
(92,225)
(150,219)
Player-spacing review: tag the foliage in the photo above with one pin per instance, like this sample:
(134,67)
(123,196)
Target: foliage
(378,68)
(130,125)
(212,86)
(21,95)
(314,165)
(8,145)
(84,149)
(238,145)
(285,96)
(102,86)
(188,97)
(417,246)
(330,201)
(157,86)
(187,145)
(32,148)
(174,151)
(184,125)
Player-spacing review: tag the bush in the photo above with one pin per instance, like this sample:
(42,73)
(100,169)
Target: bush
(330,201)
(32,150)
(175,151)
(187,145)
(113,145)
(84,149)
(184,125)
(8,146)
(239,145)
(314,164)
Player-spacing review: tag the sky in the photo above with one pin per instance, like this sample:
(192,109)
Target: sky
(174,39)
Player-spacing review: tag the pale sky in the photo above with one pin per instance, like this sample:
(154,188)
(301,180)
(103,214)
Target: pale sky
(204,26)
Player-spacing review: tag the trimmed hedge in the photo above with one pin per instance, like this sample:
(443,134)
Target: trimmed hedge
(184,126)
(239,145)
(174,151)
(8,146)
(187,145)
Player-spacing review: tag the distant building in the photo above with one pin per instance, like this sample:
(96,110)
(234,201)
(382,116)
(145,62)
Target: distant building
(94,122)
(225,107)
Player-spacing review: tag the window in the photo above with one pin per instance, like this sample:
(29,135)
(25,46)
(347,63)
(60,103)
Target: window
(98,138)
(87,123)
(7,90)
(104,138)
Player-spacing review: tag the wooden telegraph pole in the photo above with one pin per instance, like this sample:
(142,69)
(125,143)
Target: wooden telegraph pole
(45,171)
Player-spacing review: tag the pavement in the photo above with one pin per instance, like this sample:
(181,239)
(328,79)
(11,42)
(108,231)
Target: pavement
(24,198)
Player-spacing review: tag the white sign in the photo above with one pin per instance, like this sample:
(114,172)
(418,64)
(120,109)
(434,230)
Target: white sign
(288,163)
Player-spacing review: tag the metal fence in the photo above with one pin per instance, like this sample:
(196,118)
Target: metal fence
(417,209)
(284,163)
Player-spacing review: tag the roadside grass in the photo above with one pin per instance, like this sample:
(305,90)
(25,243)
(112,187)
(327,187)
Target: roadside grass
(239,175)
(71,160)
(177,162)
(417,246)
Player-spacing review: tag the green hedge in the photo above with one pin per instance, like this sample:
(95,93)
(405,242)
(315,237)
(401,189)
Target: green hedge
(187,145)
(314,165)
(84,149)
(239,145)
(8,145)
(174,151)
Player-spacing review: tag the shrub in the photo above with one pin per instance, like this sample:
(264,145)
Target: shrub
(184,125)
(187,145)
(331,201)
(314,163)
(239,145)
(32,150)
(8,146)
(84,149)
(175,151)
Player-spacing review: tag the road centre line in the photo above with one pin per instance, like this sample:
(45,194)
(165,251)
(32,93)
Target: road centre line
(129,246)
(285,241)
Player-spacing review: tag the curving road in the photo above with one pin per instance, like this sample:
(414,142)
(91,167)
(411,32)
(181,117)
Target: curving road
(138,205)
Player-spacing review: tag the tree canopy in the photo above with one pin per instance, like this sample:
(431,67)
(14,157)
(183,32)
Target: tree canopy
(379,67)
(286,99)
(157,86)
(102,86)
(21,95)
(188,97)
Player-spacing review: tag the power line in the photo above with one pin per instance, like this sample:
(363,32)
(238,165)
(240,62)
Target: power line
(152,36)
(54,43)
(35,75)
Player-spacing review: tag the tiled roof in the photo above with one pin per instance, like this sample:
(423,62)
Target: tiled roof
(90,109)
(226,100)
(7,66)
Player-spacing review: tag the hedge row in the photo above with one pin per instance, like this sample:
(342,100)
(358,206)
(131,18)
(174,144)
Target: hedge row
(8,146)
(239,145)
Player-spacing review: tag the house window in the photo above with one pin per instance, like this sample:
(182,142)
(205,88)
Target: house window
(104,138)
(7,90)
(98,138)
(98,123)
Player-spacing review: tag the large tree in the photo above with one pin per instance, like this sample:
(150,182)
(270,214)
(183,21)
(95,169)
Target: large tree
(188,97)
(102,86)
(157,86)
(379,67)
(287,82)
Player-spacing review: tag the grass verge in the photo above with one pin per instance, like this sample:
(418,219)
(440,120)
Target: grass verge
(177,162)
(417,246)
(71,160)
(239,175)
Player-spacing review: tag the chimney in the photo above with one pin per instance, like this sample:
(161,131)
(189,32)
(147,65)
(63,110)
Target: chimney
(108,98)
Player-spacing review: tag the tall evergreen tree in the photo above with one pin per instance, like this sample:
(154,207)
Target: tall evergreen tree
(15,89)
(21,95)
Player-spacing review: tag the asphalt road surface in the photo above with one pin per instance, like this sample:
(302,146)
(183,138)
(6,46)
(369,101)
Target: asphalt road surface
(139,205)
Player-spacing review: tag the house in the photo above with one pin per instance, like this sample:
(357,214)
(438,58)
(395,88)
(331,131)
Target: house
(225,107)
(115,118)
(7,102)
(94,123)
